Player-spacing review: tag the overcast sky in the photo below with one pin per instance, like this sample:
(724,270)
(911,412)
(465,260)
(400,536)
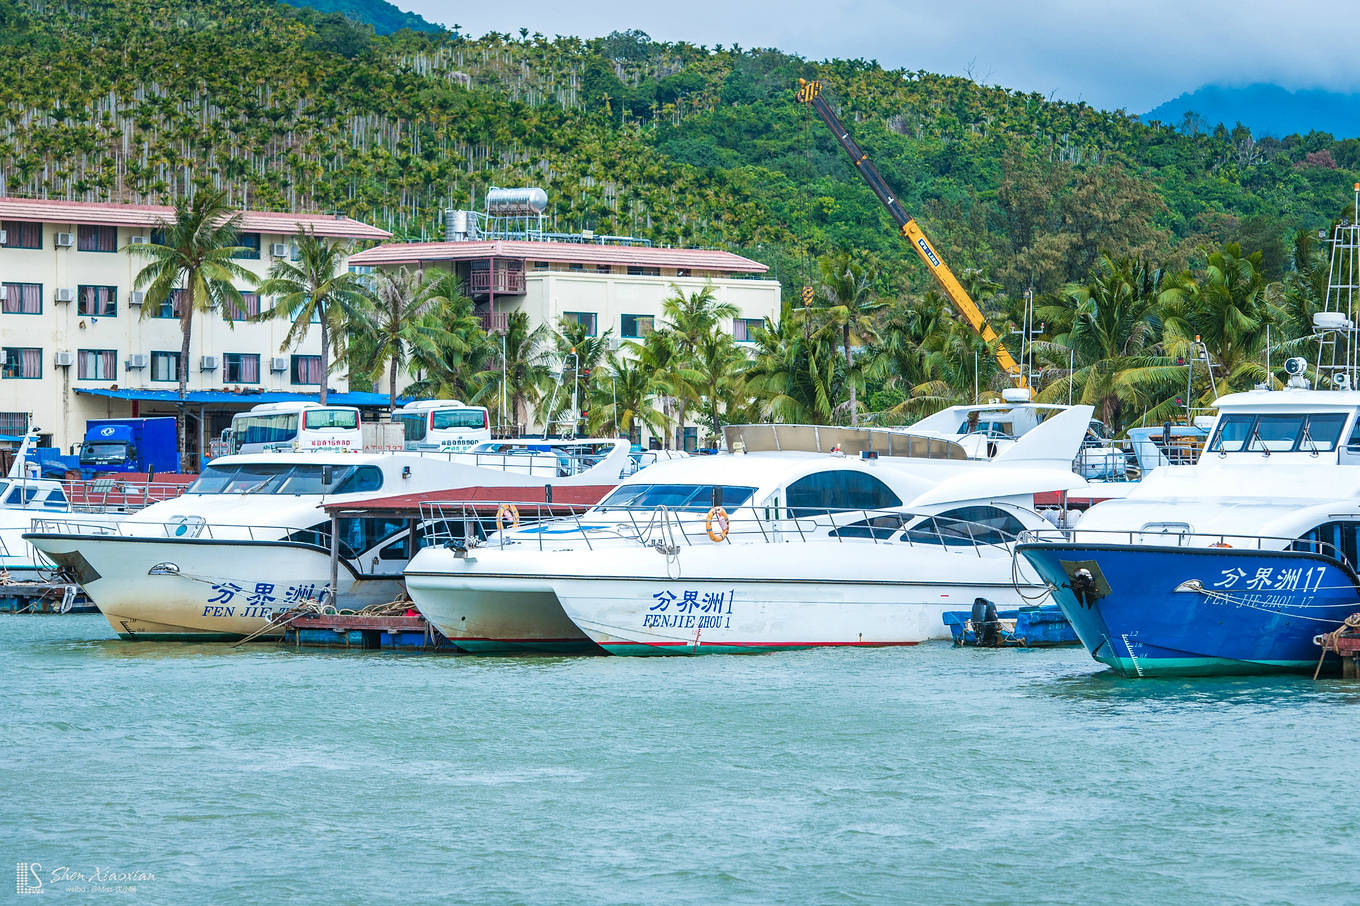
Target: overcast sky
(1129,55)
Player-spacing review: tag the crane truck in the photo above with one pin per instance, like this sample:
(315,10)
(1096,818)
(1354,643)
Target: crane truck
(810,93)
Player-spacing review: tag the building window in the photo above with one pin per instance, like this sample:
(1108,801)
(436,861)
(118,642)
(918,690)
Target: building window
(170,307)
(636,271)
(97,364)
(306,369)
(249,308)
(97,301)
(240,368)
(682,272)
(540,265)
(587,318)
(250,246)
(635,327)
(21,235)
(603,269)
(22,299)
(576,266)
(165,366)
(743,329)
(22,362)
(96,238)
(14,422)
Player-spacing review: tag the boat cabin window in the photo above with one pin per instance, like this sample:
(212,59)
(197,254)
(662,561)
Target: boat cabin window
(838,489)
(1296,432)
(56,499)
(360,535)
(884,526)
(20,495)
(966,525)
(282,478)
(694,498)
(1353,445)
(1330,539)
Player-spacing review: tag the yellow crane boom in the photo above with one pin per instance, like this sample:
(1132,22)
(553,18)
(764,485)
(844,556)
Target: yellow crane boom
(811,93)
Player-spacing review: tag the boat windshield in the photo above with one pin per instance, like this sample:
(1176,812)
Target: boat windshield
(283,478)
(1298,431)
(695,498)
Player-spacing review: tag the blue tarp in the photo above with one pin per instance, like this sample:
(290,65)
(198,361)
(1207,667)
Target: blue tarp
(208,397)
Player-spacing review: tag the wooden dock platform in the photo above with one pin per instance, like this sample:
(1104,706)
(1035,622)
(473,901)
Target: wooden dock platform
(44,597)
(410,632)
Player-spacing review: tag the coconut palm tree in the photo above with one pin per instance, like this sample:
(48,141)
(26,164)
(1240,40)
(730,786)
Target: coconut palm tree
(720,362)
(846,304)
(318,289)
(192,269)
(526,368)
(691,317)
(399,303)
(573,338)
(623,397)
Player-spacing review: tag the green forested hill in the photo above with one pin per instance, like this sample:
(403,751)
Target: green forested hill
(384,17)
(138,99)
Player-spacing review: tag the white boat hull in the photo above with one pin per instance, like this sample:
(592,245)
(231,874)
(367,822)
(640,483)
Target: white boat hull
(220,590)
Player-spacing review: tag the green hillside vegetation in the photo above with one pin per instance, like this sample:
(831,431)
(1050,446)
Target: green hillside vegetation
(384,17)
(146,100)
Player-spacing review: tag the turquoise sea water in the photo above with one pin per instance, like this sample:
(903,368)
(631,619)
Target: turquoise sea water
(926,775)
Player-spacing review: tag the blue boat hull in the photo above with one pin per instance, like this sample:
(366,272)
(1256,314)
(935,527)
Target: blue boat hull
(1257,612)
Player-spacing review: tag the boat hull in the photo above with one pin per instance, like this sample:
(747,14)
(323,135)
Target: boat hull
(219,590)
(709,599)
(1260,614)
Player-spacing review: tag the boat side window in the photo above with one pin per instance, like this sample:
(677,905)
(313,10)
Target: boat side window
(884,526)
(397,550)
(1232,433)
(689,497)
(1331,538)
(363,478)
(1353,445)
(20,495)
(966,525)
(56,499)
(358,535)
(838,489)
(1277,433)
(1323,432)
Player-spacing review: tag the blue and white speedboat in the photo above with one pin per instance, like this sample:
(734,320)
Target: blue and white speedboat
(1235,563)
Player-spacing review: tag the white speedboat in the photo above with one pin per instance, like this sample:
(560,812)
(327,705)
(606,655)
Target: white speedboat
(23,496)
(749,551)
(251,538)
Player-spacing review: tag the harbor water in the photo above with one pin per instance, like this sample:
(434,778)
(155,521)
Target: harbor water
(207,774)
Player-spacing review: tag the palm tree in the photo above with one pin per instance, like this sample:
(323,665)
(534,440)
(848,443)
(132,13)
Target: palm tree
(400,301)
(317,289)
(458,350)
(691,317)
(1229,312)
(527,367)
(847,305)
(623,397)
(793,371)
(192,267)
(720,362)
(574,338)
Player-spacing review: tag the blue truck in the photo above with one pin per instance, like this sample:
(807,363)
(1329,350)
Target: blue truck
(114,445)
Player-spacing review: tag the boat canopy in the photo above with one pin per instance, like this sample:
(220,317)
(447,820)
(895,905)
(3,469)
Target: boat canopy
(828,439)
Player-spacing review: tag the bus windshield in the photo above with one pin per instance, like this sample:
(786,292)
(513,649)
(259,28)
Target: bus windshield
(347,419)
(263,429)
(459,418)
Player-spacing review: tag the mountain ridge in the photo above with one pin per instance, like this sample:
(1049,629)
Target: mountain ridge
(1265,108)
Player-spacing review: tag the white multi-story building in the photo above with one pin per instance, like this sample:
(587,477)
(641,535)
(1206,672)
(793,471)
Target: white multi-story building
(609,288)
(79,343)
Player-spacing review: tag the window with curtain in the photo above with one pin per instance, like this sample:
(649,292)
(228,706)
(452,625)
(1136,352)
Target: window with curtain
(97,301)
(96,238)
(587,318)
(742,329)
(250,245)
(165,366)
(170,307)
(21,235)
(22,362)
(97,364)
(306,369)
(22,299)
(636,326)
(240,368)
(249,308)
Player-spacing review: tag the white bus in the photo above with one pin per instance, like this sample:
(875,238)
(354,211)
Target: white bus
(446,425)
(295,425)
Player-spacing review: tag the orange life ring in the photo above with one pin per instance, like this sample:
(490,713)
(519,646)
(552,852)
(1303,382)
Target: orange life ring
(502,512)
(1220,544)
(717,515)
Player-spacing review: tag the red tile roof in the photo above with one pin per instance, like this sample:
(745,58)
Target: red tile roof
(559,252)
(101,213)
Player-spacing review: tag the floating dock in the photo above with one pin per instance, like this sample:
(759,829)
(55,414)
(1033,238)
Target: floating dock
(402,632)
(44,597)
(1033,627)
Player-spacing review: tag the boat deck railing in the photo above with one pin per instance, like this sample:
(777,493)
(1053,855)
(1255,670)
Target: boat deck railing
(178,529)
(113,495)
(460,524)
(1170,537)
(1129,458)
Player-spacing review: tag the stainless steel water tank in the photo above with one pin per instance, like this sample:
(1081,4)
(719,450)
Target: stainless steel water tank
(460,226)
(526,202)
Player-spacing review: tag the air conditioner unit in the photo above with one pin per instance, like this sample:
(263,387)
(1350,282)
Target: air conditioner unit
(278,249)
(207,363)
(64,295)
(66,240)
(138,240)
(613,344)
(64,359)
(136,297)
(278,364)
(4,237)
(137,360)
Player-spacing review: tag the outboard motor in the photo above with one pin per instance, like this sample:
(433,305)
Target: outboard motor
(986,626)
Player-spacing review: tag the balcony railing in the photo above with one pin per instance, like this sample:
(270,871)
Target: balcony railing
(510,283)
(494,323)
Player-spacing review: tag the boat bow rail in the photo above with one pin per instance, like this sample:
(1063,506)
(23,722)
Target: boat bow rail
(665,528)
(188,528)
(1209,541)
